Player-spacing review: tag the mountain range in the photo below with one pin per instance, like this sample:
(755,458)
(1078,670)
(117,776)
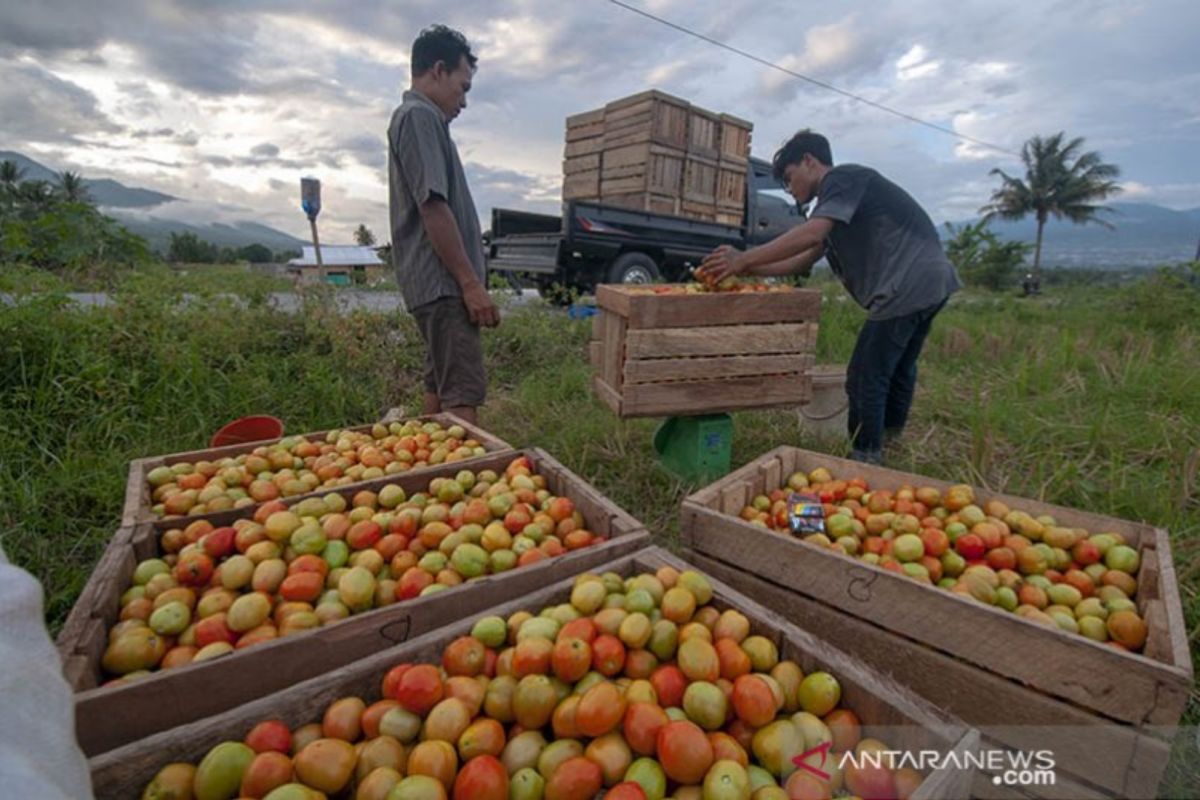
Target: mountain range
(131,207)
(1144,234)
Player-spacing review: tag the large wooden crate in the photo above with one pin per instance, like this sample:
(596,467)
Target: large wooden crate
(651,116)
(663,354)
(138,502)
(735,139)
(704,133)
(581,185)
(1011,677)
(107,717)
(642,168)
(731,186)
(886,709)
(645,201)
(700,179)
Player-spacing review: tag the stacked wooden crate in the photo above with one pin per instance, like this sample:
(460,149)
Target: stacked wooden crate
(679,353)
(658,153)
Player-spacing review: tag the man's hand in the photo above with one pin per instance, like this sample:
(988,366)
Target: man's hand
(722,263)
(480,308)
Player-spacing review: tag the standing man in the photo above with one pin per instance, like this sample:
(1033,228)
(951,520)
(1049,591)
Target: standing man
(437,248)
(886,252)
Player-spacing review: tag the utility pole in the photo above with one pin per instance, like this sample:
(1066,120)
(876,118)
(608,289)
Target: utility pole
(310,201)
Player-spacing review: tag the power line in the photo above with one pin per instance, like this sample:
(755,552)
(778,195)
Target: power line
(814,81)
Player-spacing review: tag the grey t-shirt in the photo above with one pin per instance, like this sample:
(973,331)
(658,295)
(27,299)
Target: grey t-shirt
(883,246)
(422,163)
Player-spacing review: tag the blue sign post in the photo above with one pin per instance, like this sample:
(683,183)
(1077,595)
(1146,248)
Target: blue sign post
(310,201)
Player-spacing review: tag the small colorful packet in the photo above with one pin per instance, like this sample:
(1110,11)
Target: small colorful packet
(805,514)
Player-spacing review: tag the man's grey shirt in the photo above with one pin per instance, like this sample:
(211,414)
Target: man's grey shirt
(883,246)
(422,163)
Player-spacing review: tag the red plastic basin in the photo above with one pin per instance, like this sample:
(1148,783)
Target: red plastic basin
(248,429)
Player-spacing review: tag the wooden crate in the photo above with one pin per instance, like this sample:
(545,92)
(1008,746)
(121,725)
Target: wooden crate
(644,201)
(730,218)
(664,354)
(735,139)
(109,717)
(885,708)
(703,212)
(581,185)
(642,168)
(588,163)
(731,187)
(586,125)
(138,502)
(704,133)
(992,668)
(700,179)
(650,116)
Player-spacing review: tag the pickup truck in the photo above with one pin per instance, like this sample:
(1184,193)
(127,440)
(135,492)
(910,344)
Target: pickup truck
(593,243)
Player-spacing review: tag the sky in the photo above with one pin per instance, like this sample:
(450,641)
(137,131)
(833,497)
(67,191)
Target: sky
(226,104)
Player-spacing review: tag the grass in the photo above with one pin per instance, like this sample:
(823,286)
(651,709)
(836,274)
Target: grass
(1087,398)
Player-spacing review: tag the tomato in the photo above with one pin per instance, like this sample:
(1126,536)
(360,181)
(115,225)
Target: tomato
(326,764)
(684,751)
(575,779)
(343,719)
(600,710)
(641,725)
(420,688)
(482,778)
(608,655)
(270,735)
(571,658)
(464,656)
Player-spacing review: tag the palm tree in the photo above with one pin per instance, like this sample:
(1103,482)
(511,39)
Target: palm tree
(363,236)
(71,188)
(1059,181)
(36,196)
(10,175)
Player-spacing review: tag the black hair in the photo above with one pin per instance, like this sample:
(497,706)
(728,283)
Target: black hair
(804,143)
(440,43)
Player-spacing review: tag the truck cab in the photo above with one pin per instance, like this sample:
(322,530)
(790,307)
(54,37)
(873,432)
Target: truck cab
(593,243)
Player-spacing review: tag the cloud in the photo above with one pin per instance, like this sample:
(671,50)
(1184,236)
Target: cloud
(37,106)
(247,96)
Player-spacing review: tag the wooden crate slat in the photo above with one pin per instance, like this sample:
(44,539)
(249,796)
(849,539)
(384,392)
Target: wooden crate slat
(659,370)
(572,166)
(608,395)
(109,717)
(584,147)
(704,133)
(1117,757)
(1168,590)
(700,179)
(731,186)
(647,310)
(643,201)
(581,185)
(699,397)
(1124,686)
(615,345)
(125,771)
(735,138)
(717,341)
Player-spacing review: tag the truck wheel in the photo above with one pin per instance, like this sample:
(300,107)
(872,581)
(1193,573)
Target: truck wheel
(633,268)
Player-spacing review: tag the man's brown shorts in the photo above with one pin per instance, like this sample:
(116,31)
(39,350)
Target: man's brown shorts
(453,353)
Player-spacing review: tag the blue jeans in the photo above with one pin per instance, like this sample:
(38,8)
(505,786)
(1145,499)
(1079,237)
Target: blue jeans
(882,377)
